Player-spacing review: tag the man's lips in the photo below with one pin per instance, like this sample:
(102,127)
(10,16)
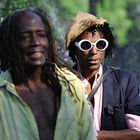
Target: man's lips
(35,50)
(93,60)
(35,55)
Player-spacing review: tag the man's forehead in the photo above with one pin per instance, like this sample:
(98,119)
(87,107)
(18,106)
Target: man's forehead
(31,21)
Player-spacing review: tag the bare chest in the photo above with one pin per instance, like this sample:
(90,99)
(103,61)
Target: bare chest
(44,106)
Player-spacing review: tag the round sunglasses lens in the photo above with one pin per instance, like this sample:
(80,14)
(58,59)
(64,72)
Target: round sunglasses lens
(101,44)
(85,45)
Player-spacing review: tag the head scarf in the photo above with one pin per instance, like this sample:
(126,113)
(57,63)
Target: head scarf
(81,22)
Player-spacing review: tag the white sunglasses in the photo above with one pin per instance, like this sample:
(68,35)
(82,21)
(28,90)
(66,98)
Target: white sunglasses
(86,45)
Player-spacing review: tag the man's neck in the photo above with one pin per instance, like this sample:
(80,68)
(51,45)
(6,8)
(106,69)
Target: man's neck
(89,75)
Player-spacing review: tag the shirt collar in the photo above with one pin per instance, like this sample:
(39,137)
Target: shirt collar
(99,73)
(6,81)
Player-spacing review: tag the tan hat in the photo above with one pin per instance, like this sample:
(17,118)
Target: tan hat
(81,22)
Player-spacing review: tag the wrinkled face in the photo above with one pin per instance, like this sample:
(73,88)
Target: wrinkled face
(90,60)
(33,39)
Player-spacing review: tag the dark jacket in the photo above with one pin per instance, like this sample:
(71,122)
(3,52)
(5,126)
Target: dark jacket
(121,95)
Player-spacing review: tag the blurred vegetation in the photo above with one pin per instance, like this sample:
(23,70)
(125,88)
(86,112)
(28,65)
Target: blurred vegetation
(6,6)
(70,7)
(123,17)
(115,12)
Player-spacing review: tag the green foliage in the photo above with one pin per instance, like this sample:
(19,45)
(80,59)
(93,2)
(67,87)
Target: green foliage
(6,6)
(68,8)
(116,14)
(75,5)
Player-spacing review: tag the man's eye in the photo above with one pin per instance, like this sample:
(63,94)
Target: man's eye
(42,35)
(24,37)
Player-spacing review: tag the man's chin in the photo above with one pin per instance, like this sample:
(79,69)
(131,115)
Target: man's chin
(94,67)
(36,63)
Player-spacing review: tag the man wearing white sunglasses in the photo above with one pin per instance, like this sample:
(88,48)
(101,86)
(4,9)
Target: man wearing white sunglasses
(113,92)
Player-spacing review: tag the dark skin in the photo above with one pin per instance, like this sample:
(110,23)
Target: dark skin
(37,95)
(89,63)
(34,44)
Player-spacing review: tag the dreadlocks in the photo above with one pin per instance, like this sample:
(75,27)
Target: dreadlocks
(11,56)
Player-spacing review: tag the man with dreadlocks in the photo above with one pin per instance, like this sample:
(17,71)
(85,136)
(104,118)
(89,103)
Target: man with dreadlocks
(39,97)
(113,92)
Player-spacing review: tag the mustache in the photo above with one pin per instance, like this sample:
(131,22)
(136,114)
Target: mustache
(35,50)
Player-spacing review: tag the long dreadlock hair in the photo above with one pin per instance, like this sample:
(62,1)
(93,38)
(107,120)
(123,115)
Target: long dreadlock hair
(11,57)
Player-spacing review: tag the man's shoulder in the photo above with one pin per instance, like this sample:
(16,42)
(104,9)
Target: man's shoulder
(4,76)
(122,75)
(120,70)
(71,82)
(66,73)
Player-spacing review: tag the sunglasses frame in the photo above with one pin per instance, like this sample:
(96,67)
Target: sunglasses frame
(78,44)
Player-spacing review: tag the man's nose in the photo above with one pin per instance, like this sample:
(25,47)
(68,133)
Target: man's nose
(93,49)
(34,40)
